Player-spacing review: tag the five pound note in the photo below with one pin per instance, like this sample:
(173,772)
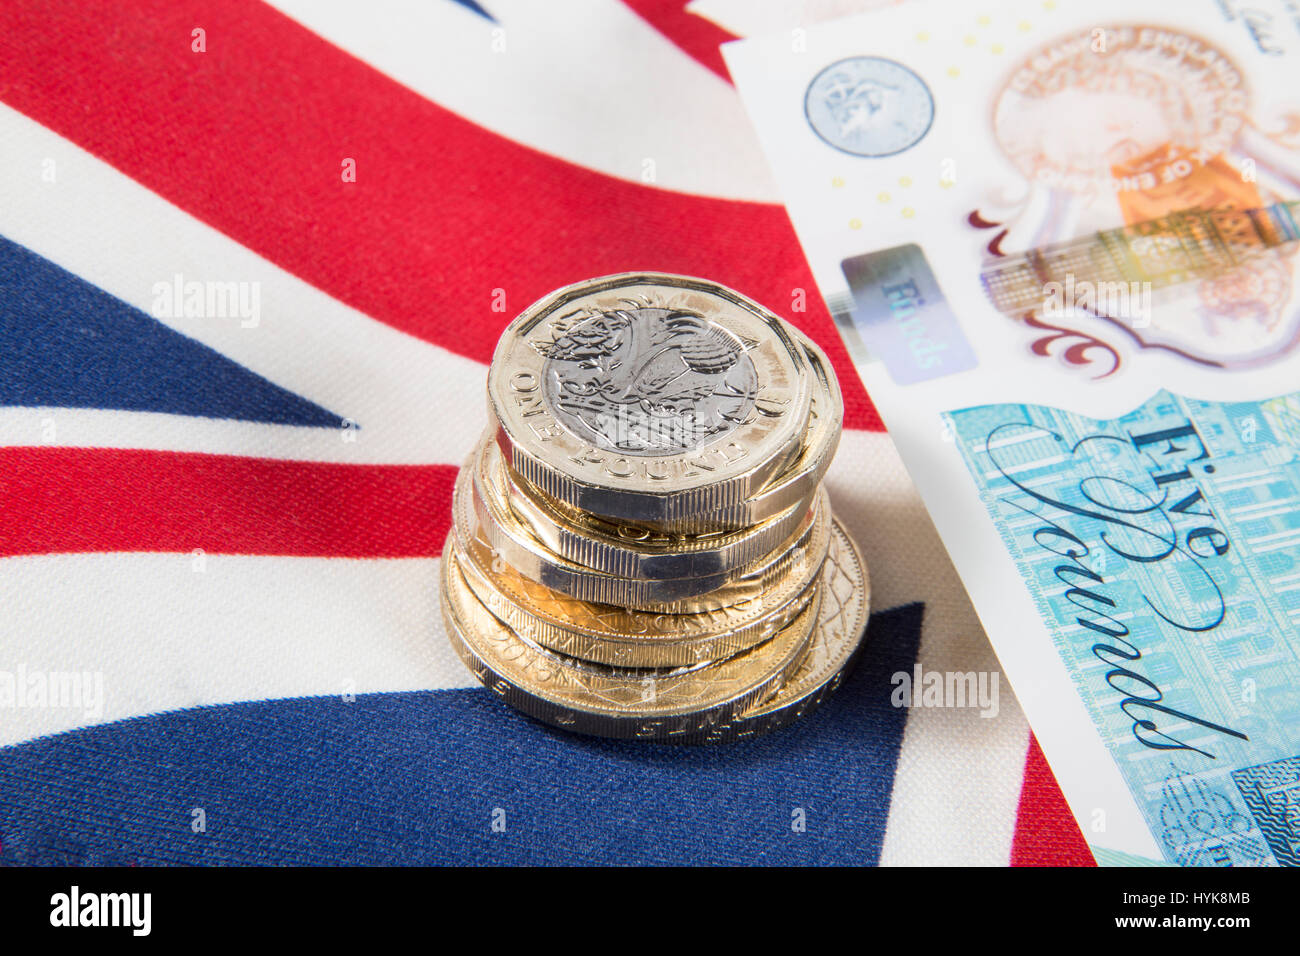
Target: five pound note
(1060,242)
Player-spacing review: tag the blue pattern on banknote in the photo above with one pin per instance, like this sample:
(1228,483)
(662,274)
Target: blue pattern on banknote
(1162,549)
(1272,791)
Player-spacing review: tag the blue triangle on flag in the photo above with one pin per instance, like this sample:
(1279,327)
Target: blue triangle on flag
(69,344)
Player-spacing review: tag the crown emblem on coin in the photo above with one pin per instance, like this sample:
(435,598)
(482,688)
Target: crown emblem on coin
(648,380)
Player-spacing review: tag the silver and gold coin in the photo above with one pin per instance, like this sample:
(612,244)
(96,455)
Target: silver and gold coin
(796,482)
(485,484)
(649,397)
(641,545)
(836,643)
(683,704)
(636,551)
(540,566)
(826,423)
(627,637)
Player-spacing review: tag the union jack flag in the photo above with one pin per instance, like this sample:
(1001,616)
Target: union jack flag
(254,258)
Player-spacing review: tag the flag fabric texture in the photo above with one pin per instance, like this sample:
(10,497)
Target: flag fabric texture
(254,258)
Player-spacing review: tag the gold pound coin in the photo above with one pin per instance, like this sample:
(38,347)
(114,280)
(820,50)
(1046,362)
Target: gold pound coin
(802,476)
(627,637)
(639,552)
(686,704)
(826,423)
(530,558)
(648,397)
(483,483)
(836,642)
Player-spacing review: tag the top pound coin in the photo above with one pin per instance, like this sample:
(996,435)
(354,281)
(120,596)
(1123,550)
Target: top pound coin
(649,397)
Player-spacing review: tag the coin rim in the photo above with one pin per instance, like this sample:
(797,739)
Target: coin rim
(510,537)
(583,540)
(521,613)
(805,475)
(758,578)
(602,721)
(803,694)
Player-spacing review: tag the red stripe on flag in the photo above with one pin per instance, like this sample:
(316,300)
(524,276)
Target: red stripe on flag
(251,136)
(1046,833)
(690,32)
(59,500)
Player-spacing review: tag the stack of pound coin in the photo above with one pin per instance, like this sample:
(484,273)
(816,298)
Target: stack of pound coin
(641,544)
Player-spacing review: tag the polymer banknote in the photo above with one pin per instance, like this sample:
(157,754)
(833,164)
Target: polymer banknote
(1060,242)
(1162,551)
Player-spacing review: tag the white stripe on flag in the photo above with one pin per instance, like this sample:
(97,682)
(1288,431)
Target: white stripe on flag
(414,402)
(166,635)
(582,81)
(957,786)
